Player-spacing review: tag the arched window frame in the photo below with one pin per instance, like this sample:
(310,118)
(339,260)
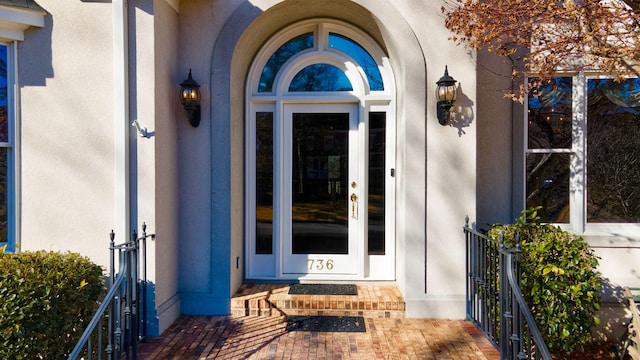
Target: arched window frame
(319,53)
(292,68)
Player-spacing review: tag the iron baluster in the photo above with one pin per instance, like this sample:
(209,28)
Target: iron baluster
(121,307)
(494,301)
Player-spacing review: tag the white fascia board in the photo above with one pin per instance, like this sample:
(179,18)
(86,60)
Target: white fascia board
(25,17)
(9,33)
(14,21)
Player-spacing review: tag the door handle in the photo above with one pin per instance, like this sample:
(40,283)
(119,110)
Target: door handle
(354,206)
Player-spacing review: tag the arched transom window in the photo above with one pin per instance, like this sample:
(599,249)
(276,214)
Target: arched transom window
(320,56)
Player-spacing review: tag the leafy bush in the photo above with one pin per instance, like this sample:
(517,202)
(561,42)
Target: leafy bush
(46,301)
(559,280)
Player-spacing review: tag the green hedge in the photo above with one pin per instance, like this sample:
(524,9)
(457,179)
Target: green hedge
(46,300)
(559,280)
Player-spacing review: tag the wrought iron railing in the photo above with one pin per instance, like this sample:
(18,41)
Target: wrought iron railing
(494,300)
(120,321)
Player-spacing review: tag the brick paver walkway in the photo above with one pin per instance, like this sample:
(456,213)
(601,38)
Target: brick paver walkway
(229,337)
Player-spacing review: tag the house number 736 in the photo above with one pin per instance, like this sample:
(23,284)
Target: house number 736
(320,264)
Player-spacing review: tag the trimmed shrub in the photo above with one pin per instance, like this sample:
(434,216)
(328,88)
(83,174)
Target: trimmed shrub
(559,280)
(46,301)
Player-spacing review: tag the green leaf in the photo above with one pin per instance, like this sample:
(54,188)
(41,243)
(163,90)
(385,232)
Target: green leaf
(560,281)
(40,306)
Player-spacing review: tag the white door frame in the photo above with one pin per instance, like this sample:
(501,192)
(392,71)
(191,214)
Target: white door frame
(279,102)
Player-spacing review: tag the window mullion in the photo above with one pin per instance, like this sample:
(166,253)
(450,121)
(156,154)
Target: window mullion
(578,160)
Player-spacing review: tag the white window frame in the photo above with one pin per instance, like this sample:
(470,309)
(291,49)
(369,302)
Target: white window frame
(578,166)
(13,242)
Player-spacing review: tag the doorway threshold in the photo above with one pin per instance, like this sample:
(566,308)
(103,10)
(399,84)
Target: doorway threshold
(373,300)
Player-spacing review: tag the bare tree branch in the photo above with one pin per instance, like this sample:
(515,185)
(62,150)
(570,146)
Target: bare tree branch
(565,35)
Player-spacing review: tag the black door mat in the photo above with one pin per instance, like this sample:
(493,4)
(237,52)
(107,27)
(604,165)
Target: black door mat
(326,323)
(323,289)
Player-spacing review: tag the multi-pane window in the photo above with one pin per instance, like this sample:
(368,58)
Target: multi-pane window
(320,76)
(549,146)
(582,158)
(6,150)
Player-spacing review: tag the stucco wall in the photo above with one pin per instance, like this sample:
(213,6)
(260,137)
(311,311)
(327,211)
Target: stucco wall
(168,115)
(436,165)
(495,176)
(472,167)
(68,137)
(203,167)
(450,171)
(188,182)
(154,23)
(66,86)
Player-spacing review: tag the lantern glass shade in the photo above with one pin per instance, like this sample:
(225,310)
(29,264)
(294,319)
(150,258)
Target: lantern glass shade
(190,99)
(190,96)
(446,92)
(190,92)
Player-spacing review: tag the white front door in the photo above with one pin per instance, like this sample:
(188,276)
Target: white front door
(321,190)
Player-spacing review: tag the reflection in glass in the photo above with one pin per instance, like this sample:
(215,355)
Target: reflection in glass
(264,183)
(360,55)
(319,183)
(4,215)
(4,129)
(320,77)
(548,185)
(550,113)
(4,151)
(613,160)
(278,58)
(377,145)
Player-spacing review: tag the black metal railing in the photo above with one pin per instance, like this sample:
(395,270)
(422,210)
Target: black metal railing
(494,300)
(120,321)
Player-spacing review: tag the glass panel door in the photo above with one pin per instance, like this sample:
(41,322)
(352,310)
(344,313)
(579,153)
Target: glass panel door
(321,190)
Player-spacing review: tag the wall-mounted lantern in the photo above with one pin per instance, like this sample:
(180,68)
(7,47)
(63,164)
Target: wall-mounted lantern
(190,99)
(446,93)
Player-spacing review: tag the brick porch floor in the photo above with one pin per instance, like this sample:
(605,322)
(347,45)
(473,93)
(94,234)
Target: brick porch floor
(257,330)
(229,337)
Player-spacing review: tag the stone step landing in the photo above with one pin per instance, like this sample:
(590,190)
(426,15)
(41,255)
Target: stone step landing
(372,301)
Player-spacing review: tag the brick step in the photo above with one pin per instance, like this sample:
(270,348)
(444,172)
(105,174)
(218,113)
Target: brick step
(372,301)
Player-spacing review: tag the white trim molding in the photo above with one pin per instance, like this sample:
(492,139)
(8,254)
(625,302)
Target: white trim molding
(14,21)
